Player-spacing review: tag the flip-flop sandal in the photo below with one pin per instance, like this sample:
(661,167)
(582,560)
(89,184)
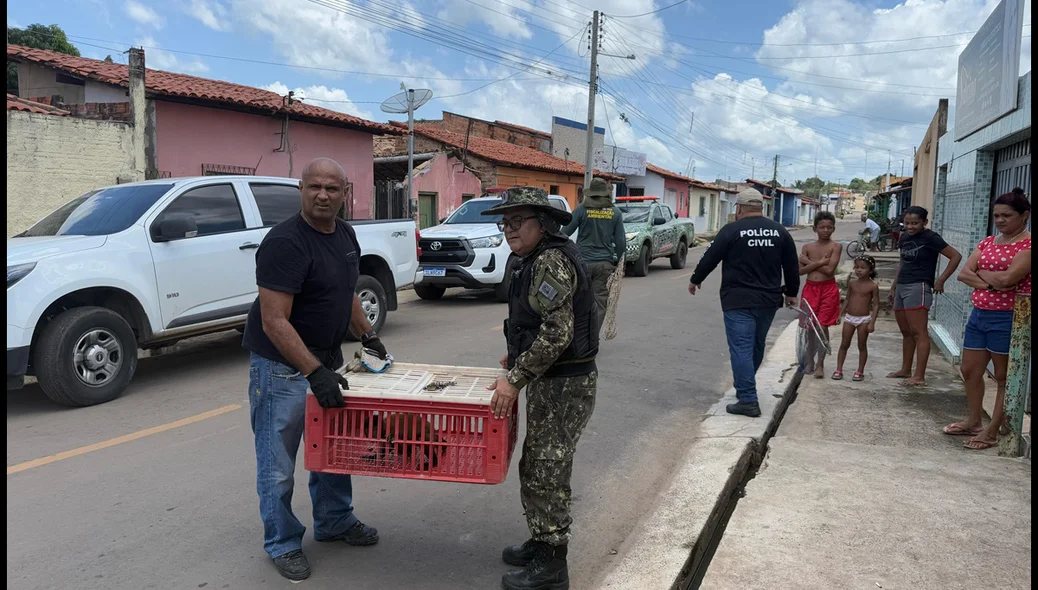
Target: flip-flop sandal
(837,375)
(907,383)
(858,376)
(982,445)
(957,429)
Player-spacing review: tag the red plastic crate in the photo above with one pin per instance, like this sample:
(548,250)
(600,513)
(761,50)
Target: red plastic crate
(410,439)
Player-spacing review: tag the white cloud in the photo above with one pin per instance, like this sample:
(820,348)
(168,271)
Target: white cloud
(334,99)
(504,19)
(158,59)
(144,15)
(211,14)
(899,74)
(310,35)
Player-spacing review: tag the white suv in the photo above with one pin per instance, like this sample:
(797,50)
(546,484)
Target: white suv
(467,250)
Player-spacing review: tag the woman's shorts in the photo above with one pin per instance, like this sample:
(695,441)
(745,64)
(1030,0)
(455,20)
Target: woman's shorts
(989,330)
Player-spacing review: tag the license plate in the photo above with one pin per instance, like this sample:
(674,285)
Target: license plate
(436,272)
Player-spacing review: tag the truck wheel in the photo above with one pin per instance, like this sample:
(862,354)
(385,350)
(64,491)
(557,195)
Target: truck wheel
(641,266)
(85,356)
(374,301)
(677,260)
(429,292)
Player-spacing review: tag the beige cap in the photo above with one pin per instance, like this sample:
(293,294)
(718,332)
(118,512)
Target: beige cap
(749,196)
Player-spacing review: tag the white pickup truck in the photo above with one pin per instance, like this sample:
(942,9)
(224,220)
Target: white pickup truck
(146,264)
(467,250)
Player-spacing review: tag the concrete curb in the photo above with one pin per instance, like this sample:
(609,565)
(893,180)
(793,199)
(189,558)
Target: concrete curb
(671,542)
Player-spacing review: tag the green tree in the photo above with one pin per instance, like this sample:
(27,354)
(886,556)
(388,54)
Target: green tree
(36,36)
(859,185)
(109,60)
(813,186)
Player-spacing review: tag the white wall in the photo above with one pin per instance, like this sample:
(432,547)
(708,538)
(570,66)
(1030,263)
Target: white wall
(51,160)
(565,137)
(651,182)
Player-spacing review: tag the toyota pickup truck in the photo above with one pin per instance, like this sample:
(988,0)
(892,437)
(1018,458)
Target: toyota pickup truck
(467,250)
(143,265)
(654,231)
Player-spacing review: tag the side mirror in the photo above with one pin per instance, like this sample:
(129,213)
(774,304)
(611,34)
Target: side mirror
(442,219)
(175,227)
(658,220)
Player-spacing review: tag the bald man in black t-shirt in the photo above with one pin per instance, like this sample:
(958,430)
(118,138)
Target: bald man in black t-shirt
(307,270)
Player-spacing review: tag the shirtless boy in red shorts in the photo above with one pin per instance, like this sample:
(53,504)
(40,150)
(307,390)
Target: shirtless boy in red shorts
(818,261)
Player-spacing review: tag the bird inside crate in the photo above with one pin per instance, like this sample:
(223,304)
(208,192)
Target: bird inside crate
(401,440)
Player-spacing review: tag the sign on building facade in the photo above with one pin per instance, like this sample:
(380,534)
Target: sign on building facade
(620,161)
(988,70)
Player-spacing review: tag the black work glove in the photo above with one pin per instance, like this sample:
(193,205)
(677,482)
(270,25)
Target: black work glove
(375,345)
(325,384)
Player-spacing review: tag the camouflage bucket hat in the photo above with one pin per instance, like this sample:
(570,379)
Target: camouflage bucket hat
(529,196)
(599,188)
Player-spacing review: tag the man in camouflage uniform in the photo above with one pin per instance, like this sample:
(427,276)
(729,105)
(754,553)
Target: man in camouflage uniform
(552,338)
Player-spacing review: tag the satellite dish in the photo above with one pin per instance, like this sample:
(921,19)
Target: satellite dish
(406,101)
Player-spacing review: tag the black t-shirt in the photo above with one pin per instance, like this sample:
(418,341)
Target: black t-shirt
(758,253)
(321,271)
(919,255)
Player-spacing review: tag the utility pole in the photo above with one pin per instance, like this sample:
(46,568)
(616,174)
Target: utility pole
(888,172)
(589,156)
(774,188)
(902,167)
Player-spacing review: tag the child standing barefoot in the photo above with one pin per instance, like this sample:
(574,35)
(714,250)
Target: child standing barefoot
(819,261)
(859,312)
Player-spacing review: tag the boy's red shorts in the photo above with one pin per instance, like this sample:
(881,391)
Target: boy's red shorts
(824,299)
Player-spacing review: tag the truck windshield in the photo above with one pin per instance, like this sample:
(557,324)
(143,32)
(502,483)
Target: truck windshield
(471,212)
(99,213)
(634,213)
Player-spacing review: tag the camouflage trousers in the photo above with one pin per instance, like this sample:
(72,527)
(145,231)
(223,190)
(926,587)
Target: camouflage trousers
(557,410)
(600,272)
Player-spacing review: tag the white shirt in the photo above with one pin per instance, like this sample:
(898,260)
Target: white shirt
(871,225)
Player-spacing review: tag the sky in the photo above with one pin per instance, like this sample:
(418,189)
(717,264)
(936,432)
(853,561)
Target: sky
(716,89)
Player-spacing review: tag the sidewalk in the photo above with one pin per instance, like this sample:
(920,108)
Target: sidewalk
(861,490)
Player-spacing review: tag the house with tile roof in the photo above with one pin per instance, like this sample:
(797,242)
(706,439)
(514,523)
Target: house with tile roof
(498,164)
(199,126)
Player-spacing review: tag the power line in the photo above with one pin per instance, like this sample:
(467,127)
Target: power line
(651,12)
(269,63)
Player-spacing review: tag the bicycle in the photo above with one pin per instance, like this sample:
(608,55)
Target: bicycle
(885,243)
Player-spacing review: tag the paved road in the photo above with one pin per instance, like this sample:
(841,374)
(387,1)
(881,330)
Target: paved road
(156,489)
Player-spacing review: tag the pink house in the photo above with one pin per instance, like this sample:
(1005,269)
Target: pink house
(442,184)
(197,126)
(675,189)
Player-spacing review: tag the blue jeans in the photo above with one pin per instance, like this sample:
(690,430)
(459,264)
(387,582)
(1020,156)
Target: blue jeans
(277,397)
(747,331)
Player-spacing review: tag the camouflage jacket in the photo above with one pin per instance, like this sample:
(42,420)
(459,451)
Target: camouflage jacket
(551,295)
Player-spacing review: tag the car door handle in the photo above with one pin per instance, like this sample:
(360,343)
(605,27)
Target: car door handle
(248,246)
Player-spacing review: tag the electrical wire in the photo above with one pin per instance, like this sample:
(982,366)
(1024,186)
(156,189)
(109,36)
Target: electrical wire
(650,13)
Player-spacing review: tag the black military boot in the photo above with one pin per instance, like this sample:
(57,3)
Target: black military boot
(546,570)
(519,555)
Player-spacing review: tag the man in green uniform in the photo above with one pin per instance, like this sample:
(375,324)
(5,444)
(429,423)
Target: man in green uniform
(552,339)
(601,238)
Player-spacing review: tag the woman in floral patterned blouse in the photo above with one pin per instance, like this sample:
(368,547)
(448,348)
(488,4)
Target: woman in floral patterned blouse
(998,269)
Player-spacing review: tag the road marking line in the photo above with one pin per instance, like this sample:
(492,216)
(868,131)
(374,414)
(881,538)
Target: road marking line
(496,327)
(119,440)
(684,275)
